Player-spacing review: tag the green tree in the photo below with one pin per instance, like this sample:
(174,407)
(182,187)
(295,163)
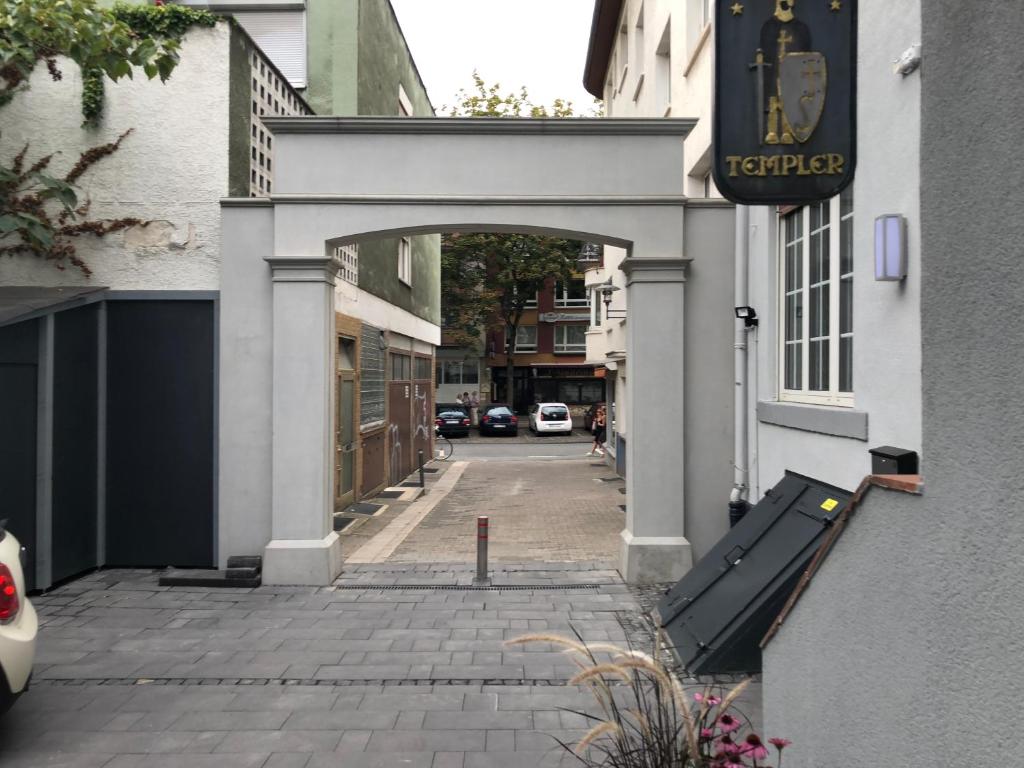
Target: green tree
(489,277)
(40,213)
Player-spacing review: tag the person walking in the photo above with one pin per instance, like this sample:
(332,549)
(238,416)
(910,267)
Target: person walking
(600,433)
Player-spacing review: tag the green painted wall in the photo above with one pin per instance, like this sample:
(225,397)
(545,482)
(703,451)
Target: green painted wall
(332,36)
(239,110)
(385,62)
(357,59)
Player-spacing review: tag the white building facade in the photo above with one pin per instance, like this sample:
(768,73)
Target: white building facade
(653,58)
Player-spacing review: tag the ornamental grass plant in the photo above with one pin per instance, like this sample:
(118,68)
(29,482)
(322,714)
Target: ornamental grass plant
(647,719)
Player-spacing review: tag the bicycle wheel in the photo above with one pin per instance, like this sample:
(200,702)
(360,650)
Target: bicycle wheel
(444,447)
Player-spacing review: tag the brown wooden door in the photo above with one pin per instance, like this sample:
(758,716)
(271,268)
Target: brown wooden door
(399,432)
(422,421)
(345,440)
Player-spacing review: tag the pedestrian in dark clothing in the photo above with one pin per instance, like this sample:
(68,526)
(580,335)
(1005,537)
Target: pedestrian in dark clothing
(600,433)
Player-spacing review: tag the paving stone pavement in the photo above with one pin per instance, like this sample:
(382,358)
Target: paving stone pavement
(545,510)
(394,665)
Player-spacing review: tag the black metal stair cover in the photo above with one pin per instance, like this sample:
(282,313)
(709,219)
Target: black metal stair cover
(717,614)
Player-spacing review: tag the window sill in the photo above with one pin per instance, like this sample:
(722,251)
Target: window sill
(705,34)
(825,420)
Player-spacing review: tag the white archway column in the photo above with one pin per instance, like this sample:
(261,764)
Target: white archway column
(655,548)
(303,548)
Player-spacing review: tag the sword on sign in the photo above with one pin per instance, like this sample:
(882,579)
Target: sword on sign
(758,67)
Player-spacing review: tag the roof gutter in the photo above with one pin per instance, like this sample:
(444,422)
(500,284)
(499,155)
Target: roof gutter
(602,38)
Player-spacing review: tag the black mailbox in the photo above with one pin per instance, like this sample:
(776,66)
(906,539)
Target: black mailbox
(887,460)
(717,615)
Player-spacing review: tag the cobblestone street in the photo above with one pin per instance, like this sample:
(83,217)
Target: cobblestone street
(400,663)
(552,511)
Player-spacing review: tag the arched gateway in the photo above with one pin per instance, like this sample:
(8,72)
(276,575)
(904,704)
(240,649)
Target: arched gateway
(341,180)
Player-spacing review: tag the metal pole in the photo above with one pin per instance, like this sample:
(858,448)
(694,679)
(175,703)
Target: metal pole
(481,548)
(421,468)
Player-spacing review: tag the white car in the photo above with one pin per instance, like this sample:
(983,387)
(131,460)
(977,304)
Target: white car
(548,418)
(18,623)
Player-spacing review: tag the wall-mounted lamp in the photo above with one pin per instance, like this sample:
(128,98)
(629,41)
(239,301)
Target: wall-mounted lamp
(606,294)
(382,340)
(890,247)
(747,315)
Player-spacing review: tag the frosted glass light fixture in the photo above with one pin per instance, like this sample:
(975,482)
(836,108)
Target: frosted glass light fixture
(890,247)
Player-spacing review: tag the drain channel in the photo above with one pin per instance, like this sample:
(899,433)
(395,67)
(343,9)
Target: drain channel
(474,587)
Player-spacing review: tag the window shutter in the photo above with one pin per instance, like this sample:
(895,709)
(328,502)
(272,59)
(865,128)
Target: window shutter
(282,36)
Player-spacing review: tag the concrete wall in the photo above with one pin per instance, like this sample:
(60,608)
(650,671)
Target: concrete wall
(887,329)
(919,603)
(845,677)
(166,171)
(708,347)
(246,382)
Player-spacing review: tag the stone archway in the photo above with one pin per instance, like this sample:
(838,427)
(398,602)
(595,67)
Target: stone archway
(344,180)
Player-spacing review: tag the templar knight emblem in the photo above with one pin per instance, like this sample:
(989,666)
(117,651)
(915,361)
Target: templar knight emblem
(792,79)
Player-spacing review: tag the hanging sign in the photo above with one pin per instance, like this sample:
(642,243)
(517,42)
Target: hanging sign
(784,127)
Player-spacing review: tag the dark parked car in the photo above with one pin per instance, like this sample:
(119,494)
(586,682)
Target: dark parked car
(452,419)
(498,419)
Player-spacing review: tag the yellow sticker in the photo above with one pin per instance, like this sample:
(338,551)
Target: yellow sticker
(829,505)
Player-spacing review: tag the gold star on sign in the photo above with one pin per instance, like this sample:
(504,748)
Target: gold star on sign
(736,8)
(837,5)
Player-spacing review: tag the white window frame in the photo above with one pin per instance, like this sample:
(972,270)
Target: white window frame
(442,367)
(562,300)
(563,346)
(404,103)
(405,260)
(530,303)
(832,396)
(521,344)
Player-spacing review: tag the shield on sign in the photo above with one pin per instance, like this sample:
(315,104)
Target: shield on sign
(803,82)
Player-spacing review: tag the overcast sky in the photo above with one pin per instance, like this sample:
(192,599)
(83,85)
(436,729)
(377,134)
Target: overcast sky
(541,44)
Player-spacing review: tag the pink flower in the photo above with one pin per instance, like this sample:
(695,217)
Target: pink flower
(728,723)
(755,747)
(780,744)
(707,733)
(711,700)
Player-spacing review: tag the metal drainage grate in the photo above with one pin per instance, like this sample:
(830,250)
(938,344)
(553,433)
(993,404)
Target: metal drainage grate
(288,681)
(362,508)
(473,587)
(389,494)
(341,523)
(609,479)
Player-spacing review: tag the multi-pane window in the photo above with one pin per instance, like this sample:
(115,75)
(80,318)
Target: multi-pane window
(458,372)
(571,294)
(817,303)
(400,367)
(405,260)
(348,256)
(526,338)
(422,366)
(570,338)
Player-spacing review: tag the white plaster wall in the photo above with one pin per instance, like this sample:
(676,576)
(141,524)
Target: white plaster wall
(355,302)
(887,327)
(689,72)
(171,170)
